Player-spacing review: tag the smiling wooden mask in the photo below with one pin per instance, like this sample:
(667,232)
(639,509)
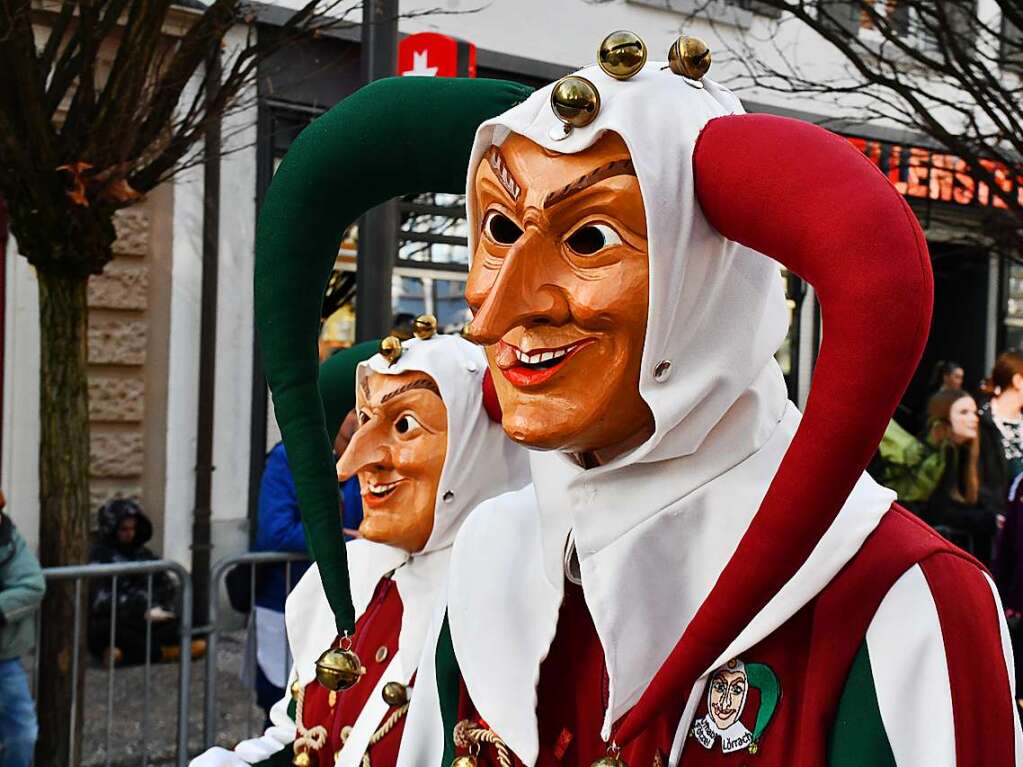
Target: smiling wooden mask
(558,289)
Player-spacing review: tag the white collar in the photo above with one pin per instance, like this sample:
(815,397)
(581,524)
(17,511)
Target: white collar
(661,532)
(419,579)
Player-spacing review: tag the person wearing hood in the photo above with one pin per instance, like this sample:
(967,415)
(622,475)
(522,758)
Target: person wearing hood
(426,452)
(124,530)
(626,225)
(22,587)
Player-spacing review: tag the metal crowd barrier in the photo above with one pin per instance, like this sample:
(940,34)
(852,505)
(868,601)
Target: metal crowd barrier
(82,573)
(217,575)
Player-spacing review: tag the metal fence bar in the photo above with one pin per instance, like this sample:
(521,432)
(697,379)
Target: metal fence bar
(74,670)
(146,673)
(79,573)
(111,658)
(184,664)
(217,574)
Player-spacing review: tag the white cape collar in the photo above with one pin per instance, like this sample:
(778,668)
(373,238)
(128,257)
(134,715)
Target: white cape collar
(419,580)
(648,536)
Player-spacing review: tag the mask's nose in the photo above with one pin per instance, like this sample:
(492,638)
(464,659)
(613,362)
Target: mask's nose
(369,447)
(523,293)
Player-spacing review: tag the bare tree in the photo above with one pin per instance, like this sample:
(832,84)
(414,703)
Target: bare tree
(83,135)
(939,69)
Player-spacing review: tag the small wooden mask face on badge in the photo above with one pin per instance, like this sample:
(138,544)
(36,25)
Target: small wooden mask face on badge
(558,289)
(398,453)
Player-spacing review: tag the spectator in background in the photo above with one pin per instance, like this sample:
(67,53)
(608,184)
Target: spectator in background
(278,528)
(1001,419)
(124,530)
(21,590)
(970,496)
(947,375)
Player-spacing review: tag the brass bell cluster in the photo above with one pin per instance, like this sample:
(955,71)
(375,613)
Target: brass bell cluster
(622,54)
(424,327)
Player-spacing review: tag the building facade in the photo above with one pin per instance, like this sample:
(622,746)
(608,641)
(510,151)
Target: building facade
(146,310)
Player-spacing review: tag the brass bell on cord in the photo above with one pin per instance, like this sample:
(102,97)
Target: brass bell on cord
(465,760)
(339,669)
(302,759)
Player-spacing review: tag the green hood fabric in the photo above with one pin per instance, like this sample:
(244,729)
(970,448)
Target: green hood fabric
(394,137)
(337,383)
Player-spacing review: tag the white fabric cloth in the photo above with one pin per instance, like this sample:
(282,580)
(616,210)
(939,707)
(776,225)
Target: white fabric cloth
(655,526)
(907,652)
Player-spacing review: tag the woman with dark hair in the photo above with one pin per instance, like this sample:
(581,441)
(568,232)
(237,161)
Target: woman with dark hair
(947,375)
(1001,420)
(970,495)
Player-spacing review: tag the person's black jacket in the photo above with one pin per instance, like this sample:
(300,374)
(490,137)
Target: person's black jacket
(132,591)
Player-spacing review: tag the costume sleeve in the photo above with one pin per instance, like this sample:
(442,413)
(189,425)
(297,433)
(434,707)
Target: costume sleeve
(277,738)
(280,524)
(22,582)
(942,668)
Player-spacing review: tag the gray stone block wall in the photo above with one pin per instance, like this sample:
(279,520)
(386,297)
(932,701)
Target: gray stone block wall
(118,332)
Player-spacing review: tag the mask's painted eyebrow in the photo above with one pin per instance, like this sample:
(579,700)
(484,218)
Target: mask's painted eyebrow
(623,167)
(365,386)
(504,175)
(419,383)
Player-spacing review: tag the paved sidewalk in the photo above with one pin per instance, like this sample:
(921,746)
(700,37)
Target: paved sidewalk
(237,715)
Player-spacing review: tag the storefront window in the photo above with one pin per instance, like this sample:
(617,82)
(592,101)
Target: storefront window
(1014,309)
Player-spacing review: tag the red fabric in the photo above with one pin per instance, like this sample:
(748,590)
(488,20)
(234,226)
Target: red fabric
(378,627)
(808,199)
(982,705)
(490,401)
(811,655)
(843,613)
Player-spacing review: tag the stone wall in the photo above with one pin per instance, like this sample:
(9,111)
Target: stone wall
(118,333)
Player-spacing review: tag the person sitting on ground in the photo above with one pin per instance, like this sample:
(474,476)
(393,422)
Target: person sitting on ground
(21,590)
(141,609)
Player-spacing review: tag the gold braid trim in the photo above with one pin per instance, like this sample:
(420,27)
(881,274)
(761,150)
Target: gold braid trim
(313,738)
(467,734)
(389,724)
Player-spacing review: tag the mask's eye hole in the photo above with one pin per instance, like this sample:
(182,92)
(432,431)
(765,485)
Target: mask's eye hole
(407,424)
(501,229)
(592,238)
(363,417)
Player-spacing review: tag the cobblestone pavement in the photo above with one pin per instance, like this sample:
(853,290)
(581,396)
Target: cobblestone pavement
(237,715)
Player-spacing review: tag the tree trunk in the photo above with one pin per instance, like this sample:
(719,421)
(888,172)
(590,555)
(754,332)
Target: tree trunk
(64,511)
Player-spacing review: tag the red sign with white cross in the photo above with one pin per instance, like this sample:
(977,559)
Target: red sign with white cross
(429,54)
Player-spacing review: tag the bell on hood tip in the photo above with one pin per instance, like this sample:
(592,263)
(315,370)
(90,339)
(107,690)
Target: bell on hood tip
(424,327)
(338,669)
(575,101)
(689,57)
(621,54)
(390,349)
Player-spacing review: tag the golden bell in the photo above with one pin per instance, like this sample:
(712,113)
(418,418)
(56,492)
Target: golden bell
(575,101)
(424,327)
(395,694)
(390,349)
(689,57)
(609,761)
(622,54)
(338,669)
(302,759)
(296,688)
(466,760)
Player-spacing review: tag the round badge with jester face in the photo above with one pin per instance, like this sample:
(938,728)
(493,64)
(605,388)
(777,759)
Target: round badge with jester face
(727,696)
